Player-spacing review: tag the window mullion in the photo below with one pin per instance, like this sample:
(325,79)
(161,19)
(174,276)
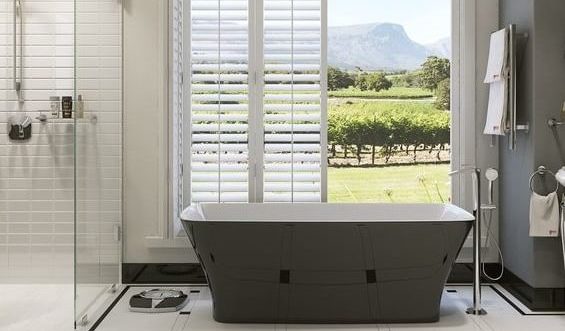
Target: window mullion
(256,81)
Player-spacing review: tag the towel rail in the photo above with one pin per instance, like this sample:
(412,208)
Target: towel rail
(513,127)
(542,171)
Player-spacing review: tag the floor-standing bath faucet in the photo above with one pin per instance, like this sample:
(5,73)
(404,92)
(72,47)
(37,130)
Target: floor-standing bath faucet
(476,309)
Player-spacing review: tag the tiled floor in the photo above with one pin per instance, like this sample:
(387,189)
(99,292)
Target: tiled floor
(42,307)
(45,307)
(501,317)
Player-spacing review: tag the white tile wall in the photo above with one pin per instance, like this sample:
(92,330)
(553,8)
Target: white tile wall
(37,176)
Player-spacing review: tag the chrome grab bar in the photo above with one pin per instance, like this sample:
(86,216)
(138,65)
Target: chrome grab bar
(18,78)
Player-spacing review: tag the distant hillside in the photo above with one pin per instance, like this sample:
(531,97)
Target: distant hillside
(441,48)
(379,46)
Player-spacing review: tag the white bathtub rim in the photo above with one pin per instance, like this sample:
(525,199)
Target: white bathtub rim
(195,213)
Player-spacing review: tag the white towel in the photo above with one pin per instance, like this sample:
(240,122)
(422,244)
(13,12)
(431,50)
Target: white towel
(544,215)
(498,91)
(497,57)
(497,105)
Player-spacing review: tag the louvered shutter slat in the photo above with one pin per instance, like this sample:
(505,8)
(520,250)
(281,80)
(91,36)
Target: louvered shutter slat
(219,100)
(292,101)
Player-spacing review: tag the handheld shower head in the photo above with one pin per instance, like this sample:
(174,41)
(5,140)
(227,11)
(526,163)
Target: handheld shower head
(491,175)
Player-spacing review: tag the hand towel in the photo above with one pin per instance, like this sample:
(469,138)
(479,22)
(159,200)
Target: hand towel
(544,215)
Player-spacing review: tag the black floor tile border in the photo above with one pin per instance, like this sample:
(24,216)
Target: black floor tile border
(109,309)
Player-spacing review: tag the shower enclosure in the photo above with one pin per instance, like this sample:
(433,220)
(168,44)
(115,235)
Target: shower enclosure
(60,161)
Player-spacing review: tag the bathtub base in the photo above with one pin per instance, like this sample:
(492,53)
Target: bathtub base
(367,278)
(327,272)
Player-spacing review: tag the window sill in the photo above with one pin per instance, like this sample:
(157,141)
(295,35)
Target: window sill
(160,242)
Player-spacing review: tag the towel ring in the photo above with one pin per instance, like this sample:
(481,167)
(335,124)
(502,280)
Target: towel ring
(541,171)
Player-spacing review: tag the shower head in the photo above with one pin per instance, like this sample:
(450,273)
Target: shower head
(491,174)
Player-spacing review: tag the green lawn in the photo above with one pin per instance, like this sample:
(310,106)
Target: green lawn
(375,108)
(406,184)
(392,93)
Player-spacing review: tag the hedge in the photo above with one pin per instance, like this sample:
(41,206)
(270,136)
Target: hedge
(391,129)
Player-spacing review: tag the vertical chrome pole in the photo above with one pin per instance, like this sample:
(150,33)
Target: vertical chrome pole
(476,309)
(512,49)
(18,77)
(15,42)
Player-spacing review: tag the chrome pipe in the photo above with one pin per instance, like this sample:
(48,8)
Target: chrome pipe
(15,44)
(513,85)
(18,74)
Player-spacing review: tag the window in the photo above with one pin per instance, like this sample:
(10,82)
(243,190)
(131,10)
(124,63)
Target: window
(266,146)
(256,104)
(256,108)
(389,114)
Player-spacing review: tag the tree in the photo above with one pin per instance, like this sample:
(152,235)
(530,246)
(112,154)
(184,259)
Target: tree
(408,79)
(443,95)
(338,79)
(376,81)
(433,71)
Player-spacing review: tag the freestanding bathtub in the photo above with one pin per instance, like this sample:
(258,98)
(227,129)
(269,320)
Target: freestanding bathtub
(326,263)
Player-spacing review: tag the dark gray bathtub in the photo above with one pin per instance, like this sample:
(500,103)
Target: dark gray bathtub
(326,263)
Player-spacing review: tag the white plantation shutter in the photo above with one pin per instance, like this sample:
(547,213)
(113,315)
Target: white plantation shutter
(176,77)
(292,104)
(257,112)
(219,100)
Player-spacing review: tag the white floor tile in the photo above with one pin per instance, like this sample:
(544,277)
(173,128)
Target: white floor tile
(42,307)
(501,317)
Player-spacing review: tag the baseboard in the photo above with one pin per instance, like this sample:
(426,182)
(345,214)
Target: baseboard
(462,273)
(536,299)
(162,273)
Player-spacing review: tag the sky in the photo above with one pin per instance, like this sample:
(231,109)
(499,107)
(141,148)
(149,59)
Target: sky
(425,21)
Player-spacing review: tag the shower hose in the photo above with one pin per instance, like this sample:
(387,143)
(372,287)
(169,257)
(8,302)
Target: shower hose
(563,228)
(487,214)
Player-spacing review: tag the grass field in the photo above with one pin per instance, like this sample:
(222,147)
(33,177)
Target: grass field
(405,183)
(392,93)
(374,108)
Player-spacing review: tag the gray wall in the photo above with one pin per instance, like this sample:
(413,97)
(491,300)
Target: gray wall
(541,91)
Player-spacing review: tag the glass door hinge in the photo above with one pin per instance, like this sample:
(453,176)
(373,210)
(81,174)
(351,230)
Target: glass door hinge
(117,232)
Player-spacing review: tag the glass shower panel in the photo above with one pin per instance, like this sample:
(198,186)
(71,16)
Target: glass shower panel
(98,152)
(36,165)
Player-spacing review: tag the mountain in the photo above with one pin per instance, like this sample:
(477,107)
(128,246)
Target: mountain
(377,46)
(441,47)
